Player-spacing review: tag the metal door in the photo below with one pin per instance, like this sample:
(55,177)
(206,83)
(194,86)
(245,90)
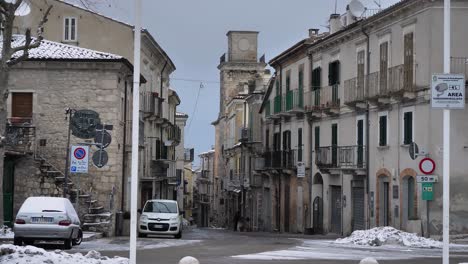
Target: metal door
(336,209)
(385,203)
(8,189)
(358,208)
(286,207)
(318,215)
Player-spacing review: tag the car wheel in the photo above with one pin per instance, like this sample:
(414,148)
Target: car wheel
(17,241)
(141,234)
(179,235)
(77,241)
(67,244)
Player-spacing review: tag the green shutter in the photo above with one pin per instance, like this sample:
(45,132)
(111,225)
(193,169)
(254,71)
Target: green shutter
(299,144)
(383,131)
(317,137)
(408,127)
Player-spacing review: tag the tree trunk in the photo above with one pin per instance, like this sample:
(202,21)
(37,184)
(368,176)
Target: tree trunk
(4,74)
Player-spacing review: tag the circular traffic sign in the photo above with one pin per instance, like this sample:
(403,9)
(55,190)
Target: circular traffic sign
(427,166)
(104,138)
(79,153)
(100,158)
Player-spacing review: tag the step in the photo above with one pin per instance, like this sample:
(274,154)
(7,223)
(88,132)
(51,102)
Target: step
(96,210)
(53,173)
(83,196)
(91,201)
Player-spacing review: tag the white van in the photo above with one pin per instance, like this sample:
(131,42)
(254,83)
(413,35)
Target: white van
(160,217)
(47,218)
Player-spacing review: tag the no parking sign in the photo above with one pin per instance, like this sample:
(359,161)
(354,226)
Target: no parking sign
(79,159)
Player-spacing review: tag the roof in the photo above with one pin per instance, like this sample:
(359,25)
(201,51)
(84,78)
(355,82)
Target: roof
(55,51)
(58,51)
(241,31)
(206,153)
(295,47)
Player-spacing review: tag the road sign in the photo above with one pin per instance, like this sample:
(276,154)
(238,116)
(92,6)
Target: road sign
(413,150)
(448,91)
(300,169)
(427,191)
(83,123)
(103,137)
(427,165)
(427,178)
(79,159)
(100,158)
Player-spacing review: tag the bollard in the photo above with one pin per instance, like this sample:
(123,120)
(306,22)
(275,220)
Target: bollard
(369,261)
(189,260)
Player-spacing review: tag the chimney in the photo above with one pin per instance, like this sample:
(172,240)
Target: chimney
(313,32)
(335,23)
(350,19)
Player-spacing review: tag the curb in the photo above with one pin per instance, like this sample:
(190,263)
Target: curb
(89,236)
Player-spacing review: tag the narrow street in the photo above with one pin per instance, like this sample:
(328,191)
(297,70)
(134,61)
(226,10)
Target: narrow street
(211,246)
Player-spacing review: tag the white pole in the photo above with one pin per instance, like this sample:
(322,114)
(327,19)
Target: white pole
(135,132)
(446,164)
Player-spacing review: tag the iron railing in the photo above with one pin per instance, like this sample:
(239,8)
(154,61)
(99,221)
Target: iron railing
(293,100)
(312,100)
(344,157)
(279,159)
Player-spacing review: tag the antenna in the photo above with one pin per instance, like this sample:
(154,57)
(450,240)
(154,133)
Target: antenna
(356,8)
(378,4)
(336,5)
(23,10)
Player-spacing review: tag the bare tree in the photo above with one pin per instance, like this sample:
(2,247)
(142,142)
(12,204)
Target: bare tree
(11,56)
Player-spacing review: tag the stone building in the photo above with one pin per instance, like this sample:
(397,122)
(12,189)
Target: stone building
(203,197)
(56,77)
(239,67)
(75,25)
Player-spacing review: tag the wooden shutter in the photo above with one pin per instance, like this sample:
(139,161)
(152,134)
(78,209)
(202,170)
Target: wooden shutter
(383,131)
(22,105)
(408,61)
(317,137)
(408,127)
(383,67)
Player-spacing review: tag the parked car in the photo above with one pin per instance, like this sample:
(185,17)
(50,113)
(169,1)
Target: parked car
(47,218)
(160,217)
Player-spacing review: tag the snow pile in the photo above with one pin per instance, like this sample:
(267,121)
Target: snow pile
(6,232)
(30,254)
(388,235)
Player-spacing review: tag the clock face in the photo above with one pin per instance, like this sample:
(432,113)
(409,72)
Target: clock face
(244,44)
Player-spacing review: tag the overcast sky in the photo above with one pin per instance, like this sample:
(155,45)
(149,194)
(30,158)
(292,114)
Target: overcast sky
(193,33)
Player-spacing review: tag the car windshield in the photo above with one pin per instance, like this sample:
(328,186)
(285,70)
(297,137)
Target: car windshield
(160,207)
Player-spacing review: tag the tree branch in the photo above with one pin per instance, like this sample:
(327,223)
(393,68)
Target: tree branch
(28,46)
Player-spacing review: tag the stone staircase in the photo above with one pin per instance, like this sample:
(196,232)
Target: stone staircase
(93,216)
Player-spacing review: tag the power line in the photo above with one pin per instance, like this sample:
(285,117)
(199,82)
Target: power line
(194,80)
(195,107)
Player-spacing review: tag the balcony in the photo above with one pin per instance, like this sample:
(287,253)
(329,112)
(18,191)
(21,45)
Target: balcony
(340,157)
(151,104)
(323,99)
(280,159)
(173,135)
(397,82)
(293,101)
(19,137)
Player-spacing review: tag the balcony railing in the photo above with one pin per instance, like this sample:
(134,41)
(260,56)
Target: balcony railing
(341,157)
(294,100)
(279,159)
(329,97)
(20,138)
(395,80)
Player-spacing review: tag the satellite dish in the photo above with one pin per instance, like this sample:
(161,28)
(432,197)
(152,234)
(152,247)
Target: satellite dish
(356,8)
(23,10)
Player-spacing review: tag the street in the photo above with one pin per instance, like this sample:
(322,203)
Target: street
(213,246)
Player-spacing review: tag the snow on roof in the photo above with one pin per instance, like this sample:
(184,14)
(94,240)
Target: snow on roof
(206,152)
(179,114)
(50,50)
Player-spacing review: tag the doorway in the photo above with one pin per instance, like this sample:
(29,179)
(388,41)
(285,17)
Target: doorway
(336,209)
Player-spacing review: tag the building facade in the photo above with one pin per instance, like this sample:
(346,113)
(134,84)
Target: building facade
(203,197)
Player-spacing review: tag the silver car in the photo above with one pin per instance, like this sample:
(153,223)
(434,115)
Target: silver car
(47,218)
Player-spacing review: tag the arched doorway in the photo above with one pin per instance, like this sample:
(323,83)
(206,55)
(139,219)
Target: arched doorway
(383,199)
(409,197)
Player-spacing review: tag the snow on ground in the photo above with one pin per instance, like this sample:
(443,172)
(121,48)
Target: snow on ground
(122,244)
(329,250)
(379,236)
(6,232)
(34,255)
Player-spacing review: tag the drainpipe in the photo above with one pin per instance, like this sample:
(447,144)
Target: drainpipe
(161,129)
(367,126)
(311,206)
(281,139)
(124,149)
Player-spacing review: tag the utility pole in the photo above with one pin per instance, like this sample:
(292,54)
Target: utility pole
(135,131)
(68,113)
(446,141)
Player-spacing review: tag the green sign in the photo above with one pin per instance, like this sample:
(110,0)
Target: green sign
(427,191)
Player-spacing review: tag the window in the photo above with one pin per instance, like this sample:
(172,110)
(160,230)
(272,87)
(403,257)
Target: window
(299,144)
(21,107)
(334,144)
(360,69)
(300,77)
(383,137)
(316,78)
(278,89)
(69,33)
(408,61)
(317,137)
(383,67)
(334,73)
(407,128)
(288,81)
